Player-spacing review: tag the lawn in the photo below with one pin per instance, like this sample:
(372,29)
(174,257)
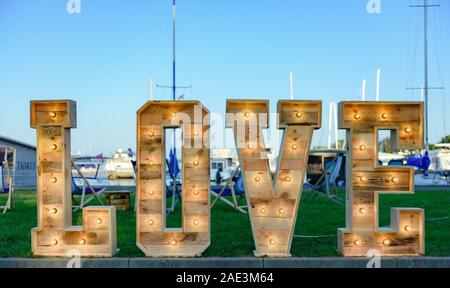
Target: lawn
(231,233)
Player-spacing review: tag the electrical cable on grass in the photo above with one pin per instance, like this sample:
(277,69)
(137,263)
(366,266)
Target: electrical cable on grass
(437,219)
(318,236)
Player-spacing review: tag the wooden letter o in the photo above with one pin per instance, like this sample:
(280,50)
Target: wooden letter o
(153,238)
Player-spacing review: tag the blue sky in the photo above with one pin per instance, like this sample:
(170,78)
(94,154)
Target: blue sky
(102,57)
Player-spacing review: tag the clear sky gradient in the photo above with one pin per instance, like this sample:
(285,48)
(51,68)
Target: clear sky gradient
(102,58)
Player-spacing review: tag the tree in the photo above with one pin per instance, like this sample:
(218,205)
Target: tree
(445,139)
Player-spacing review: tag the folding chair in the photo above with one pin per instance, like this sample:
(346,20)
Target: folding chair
(231,186)
(330,174)
(86,189)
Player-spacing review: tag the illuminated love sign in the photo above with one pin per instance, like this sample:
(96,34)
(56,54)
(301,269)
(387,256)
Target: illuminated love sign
(55,235)
(153,237)
(366,179)
(273,207)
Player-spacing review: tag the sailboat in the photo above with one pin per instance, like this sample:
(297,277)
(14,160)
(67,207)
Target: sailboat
(433,167)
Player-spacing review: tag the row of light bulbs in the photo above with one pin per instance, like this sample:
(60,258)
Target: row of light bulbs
(386,242)
(82,240)
(393,179)
(152,222)
(384,116)
(286,179)
(298,114)
(281,211)
(152,133)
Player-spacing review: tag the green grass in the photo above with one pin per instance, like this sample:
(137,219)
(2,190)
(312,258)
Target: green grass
(231,232)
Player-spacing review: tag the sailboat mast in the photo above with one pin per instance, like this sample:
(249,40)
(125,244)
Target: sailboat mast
(426,71)
(426,88)
(174,86)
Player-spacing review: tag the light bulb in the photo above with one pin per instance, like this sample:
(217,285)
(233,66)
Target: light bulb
(362,211)
(357,116)
(362,148)
(151,163)
(53,147)
(299,114)
(363,178)
(196,222)
(263,211)
(272,242)
(196,133)
(408,130)
(173,242)
(294,147)
(250,146)
(55,242)
(287,179)
(282,211)
(52,114)
(174,114)
(384,115)
(151,134)
(54,211)
(257,179)
(82,242)
(395,180)
(54,180)
(99,221)
(386,242)
(151,192)
(407,228)
(196,163)
(151,222)
(247,114)
(357,242)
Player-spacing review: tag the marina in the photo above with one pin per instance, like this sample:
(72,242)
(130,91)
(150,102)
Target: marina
(120,153)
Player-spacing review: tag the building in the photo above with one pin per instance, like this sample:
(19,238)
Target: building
(25,174)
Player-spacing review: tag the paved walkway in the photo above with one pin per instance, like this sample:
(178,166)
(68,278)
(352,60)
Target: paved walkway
(328,262)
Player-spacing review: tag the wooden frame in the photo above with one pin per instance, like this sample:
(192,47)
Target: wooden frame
(55,235)
(366,179)
(153,238)
(10,178)
(273,207)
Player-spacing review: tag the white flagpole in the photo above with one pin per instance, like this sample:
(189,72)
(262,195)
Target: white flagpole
(150,88)
(336,135)
(363,90)
(378,85)
(291,86)
(330,122)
